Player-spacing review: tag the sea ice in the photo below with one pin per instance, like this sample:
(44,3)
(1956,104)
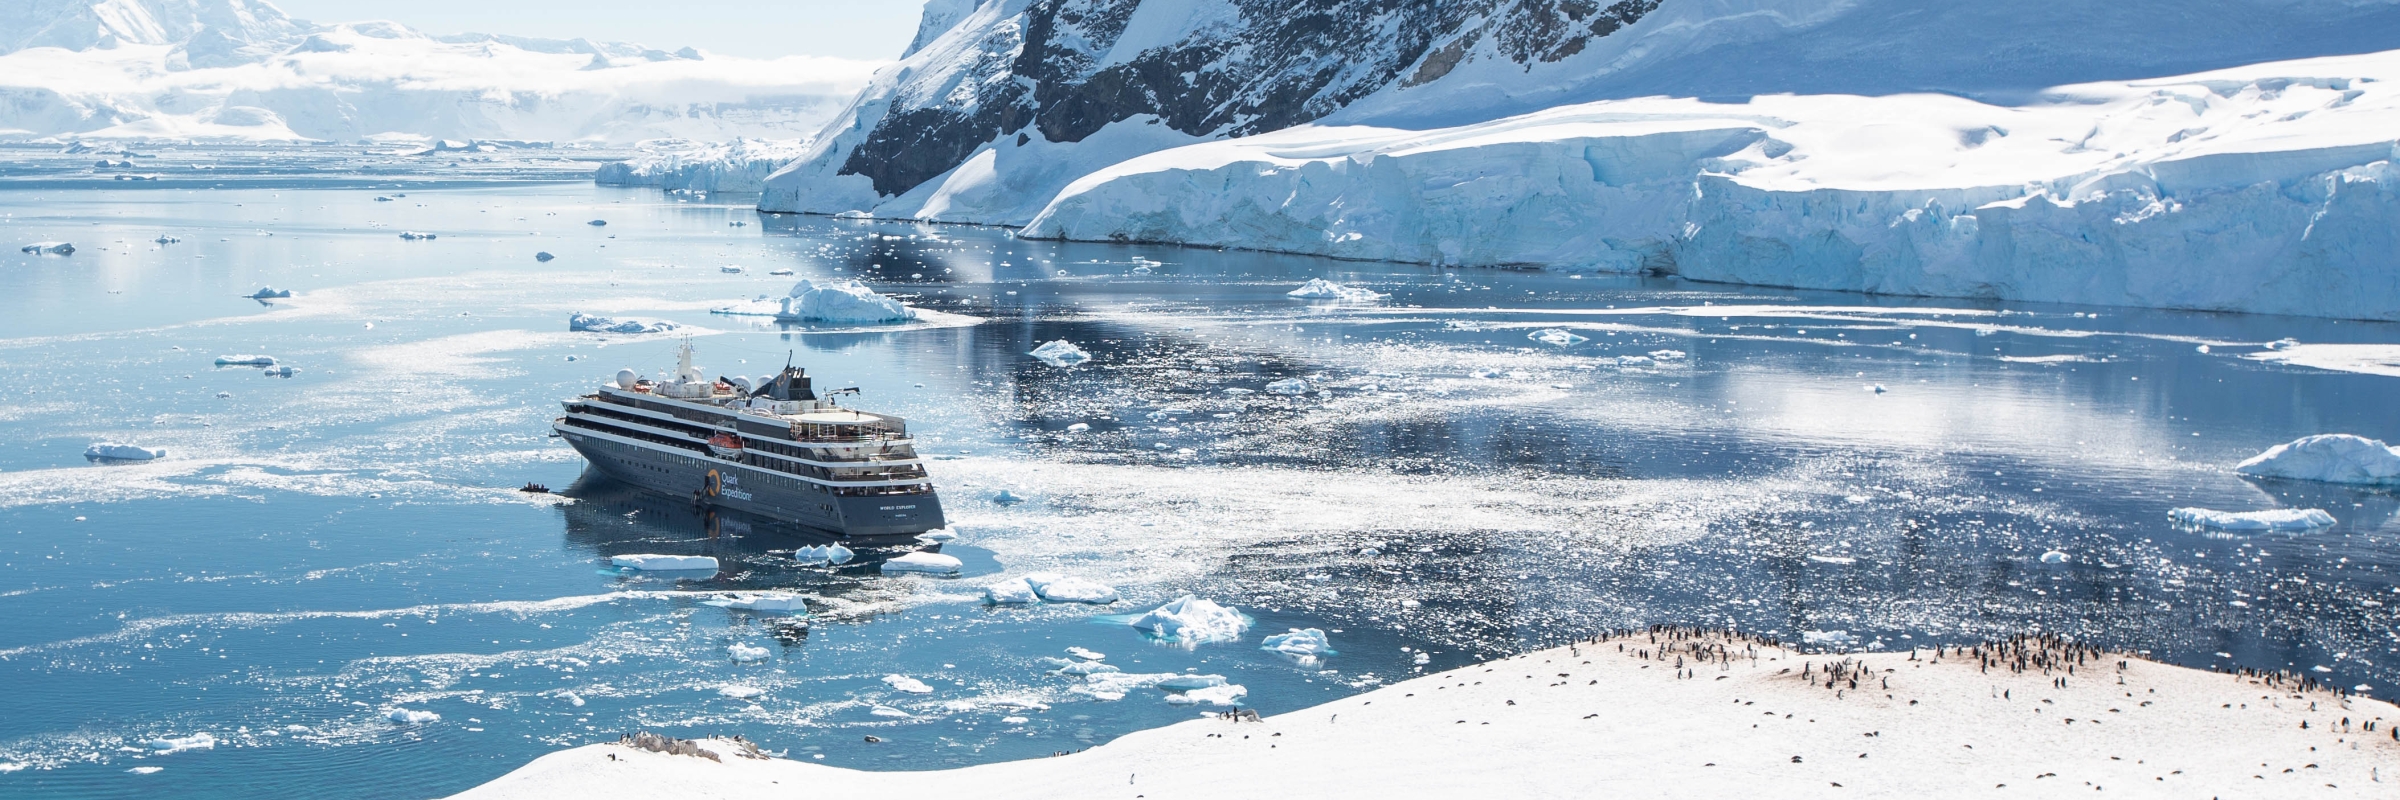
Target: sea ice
(1225,695)
(1667,355)
(1014,591)
(1086,653)
(655,562)
(1192,620)
(1557,337)
(1060,353)
(841,301)
(2331,458)
(197,741)
(269,293)
(2056,557)
(924,562)
(245,360)
(937,535)
(745,652)
(1080,427)
(1299,642)
(1322,289)
(775,602)
(1071,590)
(593,324)
(1085,668)
(907,684)
(410,716)
(1633,361)
(739,691)
(2280,519)
(52,248)
(122,452)
(888,711)
(1288,387)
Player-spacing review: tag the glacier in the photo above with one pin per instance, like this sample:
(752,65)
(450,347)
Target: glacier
(738,166)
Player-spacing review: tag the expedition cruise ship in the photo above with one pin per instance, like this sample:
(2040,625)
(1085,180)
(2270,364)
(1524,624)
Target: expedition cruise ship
(772,447)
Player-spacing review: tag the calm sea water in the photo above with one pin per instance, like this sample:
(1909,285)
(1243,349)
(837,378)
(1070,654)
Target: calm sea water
(322,549)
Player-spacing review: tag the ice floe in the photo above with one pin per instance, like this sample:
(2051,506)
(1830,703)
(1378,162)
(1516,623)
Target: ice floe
(1558,337)
(1192,620)
(1060,353)
(1288,387)
(2330,458)
(907,684)
(1014,591)
(1224,695)
(2280,519)
(1086,653)
(197,741)
(924,562)
(772,602)
(655,562)
(1299,642)
(2056,557)
(1058,589)
(588,323)
(410,716)
(123,452)
(49,248)
(1114,685)
(746,652)
(739,691)
(841,301)
(1322,289)
(245,360)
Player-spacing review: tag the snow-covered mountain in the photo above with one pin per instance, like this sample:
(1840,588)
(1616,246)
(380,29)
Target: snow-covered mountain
(242,69)
(2036,150)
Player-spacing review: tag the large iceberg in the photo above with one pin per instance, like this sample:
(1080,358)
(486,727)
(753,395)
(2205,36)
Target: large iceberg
(596,324)
(2279,519)
(840,301)
(2331,458)
(1192,620)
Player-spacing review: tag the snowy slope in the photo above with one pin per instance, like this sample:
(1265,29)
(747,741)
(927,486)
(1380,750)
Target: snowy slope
(2263,188)
(239,69)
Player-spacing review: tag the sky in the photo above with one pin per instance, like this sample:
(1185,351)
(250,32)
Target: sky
(863,29)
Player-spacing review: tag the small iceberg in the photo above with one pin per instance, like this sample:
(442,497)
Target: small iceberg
(774,602)
(410,716)
(49,248)
(841,301)
(1060,353)
(1191,620)
(414,236)
(1288,387)
(1011,592)
(823,554)
(586,323)
(114,451)
(1055,589)
(598,223)
(1086,653)
(269,293)
(1007,498)
(907,684)
(2280,519)
(1306,642)
(739,691)
(1557,337)
(2056,557)
(197,741)
(654,562)
(543,256)
(2328,458)
(1667,355)
(245,360)
(165,239)
(1322,289)
(924,562)
(746,653)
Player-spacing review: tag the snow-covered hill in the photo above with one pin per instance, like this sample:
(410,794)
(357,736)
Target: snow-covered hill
(241,69)
(2027,150)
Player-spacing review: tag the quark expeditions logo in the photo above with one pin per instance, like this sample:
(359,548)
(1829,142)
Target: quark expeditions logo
(721,485)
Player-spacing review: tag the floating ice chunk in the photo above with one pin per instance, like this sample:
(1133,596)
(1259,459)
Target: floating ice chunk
(937,535)
(1875,387)
(1014,591)
(1634,361)
(1828,638)
(573,698)
(2280,519)
(1225,695)
(1422,659)
(269,293)
(543,256)
(1080,427)
(1288,387)
(122,452)
(1060,353)
(1557,337)
(2056,557)
(1299,642)
(197,741)
(245,360)
(779,272)
(167,239)
(2331,458)
(410,716)
(731,269)
(1071,590)
(49,248)
(812,554)
(598,223)
(746,652)
(414,235)
(594,324)
(1667,355)
(1007,498)
(924,562)
(888,711)
(1015,720)
(1845,560)
(655,562)
(841,301)
(1085,668)
(854,214)
(144,770)
(775,602)
(907,684)
(1322,289)
(740,692)
(1086,653)
(837,554)
(1192,620)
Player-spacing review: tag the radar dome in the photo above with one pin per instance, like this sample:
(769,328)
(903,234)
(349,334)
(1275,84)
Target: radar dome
(626,378)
